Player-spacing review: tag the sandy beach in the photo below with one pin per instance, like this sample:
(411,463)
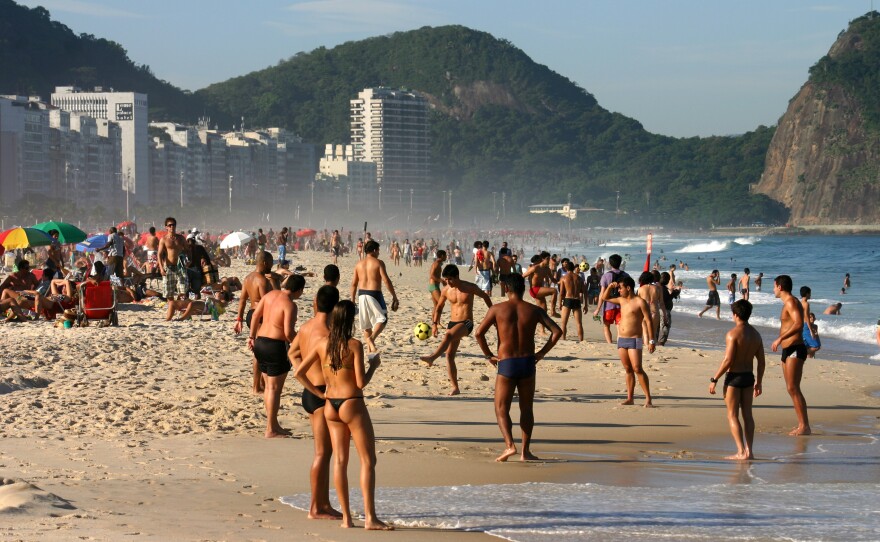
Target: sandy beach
(149,431)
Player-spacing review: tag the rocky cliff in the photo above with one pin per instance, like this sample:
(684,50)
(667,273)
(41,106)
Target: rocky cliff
(824,160)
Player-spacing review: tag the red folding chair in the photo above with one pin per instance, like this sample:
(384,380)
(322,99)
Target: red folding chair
(97,302)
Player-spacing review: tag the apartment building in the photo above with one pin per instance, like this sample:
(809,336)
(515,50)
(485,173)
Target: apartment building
(390,127)
(129,111)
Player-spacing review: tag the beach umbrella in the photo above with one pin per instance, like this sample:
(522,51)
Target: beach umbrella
(305,232)
(24,238)
(67,233)
(235,239)
(92,243)
(125,224)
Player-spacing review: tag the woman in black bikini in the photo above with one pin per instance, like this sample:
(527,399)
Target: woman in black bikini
(342,361)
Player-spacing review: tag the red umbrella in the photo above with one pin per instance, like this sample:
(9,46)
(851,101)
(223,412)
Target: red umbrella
(306,232)
(125,224)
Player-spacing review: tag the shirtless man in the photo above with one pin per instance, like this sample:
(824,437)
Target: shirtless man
(758,280)
(573,296)
(335,246)
(744,345)
(460,294)
(276,313)
(744,283)
(516,321)
(151,245)
(504,266)
(833,309)
(652,295)
(170,248)
(302,347)
(434,280)
(261,240)
(484,262)
(633,311)
(610,312)
(539,275)
(366,291)
(794,351)
(713,280)
(256,284)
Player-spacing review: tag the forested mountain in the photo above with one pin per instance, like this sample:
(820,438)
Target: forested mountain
(824,160)
(37,54)
(505,123)
(501,122)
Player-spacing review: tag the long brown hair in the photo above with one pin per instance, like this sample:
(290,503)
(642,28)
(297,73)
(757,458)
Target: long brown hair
(341,324)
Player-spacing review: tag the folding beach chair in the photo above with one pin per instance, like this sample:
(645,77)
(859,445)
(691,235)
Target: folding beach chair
(97,302)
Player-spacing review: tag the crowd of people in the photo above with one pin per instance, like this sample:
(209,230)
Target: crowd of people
(334,365)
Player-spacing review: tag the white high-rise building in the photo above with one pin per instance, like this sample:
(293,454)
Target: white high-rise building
(390,127)
(127,109)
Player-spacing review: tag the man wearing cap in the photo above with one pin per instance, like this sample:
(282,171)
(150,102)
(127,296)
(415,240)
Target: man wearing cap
(199,259)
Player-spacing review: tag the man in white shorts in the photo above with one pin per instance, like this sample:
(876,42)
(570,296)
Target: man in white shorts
(366,291)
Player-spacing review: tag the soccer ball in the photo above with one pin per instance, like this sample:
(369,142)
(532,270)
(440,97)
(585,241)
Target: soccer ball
(422,331)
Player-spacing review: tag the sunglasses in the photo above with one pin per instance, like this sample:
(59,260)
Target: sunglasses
(170,225)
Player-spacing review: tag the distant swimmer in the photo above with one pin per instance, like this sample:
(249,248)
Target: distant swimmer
(758,280)
(516,321)
(744,345)
(846,282)
(744,284)
(794,351)
(834,309)
(713,280)
(634,312)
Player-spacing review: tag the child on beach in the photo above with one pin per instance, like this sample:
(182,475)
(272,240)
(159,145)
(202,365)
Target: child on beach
(811,336)
(342,361)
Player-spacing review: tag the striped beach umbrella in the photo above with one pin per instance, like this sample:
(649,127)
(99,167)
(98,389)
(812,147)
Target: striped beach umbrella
(24,238)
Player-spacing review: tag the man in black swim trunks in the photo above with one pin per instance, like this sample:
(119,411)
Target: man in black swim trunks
(516,321)
(794,351)
(276,313)
(712,281)
(301,348)
(256,284)
(460,294)
(744,345)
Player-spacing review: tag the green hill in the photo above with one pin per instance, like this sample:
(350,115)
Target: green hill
(504,123)
(37,54)
(501,122)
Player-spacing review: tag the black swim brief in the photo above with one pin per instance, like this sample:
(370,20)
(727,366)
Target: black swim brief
(517,368)
(271,356)
(311,402)
(248,316)
(798,351)
(739,380)
(573,304)
(467,324)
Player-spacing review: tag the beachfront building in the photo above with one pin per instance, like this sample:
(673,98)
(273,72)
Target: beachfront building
(342,179)
(50,153)
(129,111)
(390,128)
(253,169)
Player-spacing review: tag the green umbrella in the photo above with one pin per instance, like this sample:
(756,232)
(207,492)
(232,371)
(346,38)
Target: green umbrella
(67,233)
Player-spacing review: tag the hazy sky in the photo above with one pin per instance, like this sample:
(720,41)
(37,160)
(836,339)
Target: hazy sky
(680,67)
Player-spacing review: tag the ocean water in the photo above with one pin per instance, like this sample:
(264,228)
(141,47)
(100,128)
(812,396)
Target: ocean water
(830,493)
(819,262)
